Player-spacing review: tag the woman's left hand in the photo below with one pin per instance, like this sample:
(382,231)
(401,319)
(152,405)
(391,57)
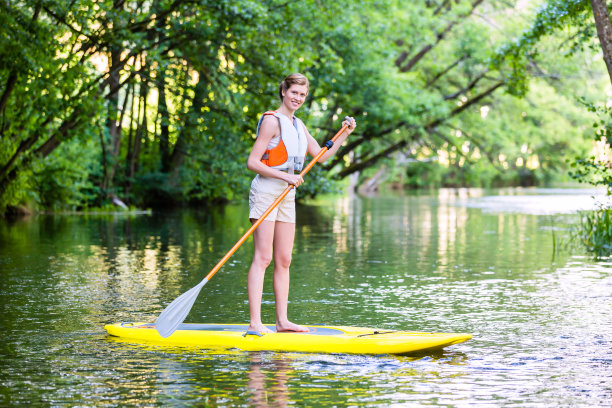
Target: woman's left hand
(350,124)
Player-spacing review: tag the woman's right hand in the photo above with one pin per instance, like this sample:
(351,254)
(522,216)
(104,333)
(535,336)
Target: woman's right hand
(294,179)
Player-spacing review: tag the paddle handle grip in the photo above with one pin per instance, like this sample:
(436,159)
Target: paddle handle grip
(274,204)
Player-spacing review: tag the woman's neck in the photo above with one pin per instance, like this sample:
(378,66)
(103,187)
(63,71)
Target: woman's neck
(285,111)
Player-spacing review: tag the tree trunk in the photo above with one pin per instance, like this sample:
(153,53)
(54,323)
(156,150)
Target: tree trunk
(11,171)
(12,78)
(115,143)
(114,126)
(164,134)
(162,105)
(142,126)
(104,167)
(8,88)
(604,31)
(129,156)
(191,122)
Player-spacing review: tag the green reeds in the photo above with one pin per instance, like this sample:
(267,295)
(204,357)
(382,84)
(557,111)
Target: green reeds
(596,231)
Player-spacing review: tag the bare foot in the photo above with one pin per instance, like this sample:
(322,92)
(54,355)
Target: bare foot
(259,328)
(290,327)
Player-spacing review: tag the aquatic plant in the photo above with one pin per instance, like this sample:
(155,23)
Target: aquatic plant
(596,231)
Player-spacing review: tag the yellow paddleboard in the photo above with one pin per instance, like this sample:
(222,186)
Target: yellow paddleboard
(319,339)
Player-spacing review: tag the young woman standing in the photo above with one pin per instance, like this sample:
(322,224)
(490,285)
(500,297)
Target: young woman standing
(277,157)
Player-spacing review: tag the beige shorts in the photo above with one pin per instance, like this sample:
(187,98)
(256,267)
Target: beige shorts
(264,190)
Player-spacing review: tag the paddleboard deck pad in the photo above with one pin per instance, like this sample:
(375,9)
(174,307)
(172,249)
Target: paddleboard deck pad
(319,339)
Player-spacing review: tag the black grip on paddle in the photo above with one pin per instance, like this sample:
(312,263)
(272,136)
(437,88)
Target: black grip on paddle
(329,144)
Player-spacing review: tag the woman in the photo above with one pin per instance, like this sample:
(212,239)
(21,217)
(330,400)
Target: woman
(277,157)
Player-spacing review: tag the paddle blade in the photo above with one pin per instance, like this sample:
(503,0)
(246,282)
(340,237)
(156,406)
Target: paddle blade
(174,314)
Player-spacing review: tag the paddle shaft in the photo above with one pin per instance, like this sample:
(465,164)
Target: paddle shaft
(274,204)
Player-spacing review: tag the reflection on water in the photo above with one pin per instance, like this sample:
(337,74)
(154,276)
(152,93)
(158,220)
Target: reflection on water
(268,382)
(282,379)
(457,260)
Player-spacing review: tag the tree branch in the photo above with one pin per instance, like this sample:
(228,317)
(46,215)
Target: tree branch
(8,88)
(445,71)
(356,142)
(439,37)
(370,161)
(441,6)
(467,88)
(429,128)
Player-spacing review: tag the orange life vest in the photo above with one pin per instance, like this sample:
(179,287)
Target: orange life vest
(290,152)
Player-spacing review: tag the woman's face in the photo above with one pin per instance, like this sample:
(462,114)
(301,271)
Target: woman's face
(295,96)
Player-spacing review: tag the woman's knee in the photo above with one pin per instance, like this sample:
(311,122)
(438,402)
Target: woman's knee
(262,259)
(283,261)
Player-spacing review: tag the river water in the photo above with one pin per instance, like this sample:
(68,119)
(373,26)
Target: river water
(492,263)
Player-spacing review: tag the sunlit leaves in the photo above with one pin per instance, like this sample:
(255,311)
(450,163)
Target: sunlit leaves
(218,64)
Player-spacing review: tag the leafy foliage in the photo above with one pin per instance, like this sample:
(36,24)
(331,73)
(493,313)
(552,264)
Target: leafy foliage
(593,169)
(156,102)
(552,16)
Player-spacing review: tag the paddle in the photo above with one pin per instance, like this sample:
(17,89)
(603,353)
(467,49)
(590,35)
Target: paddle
(174,314)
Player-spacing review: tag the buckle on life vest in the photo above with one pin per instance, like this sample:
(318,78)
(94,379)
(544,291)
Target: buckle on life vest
(290,164)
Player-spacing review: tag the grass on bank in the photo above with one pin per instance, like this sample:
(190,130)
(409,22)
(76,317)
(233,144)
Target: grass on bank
(596,231)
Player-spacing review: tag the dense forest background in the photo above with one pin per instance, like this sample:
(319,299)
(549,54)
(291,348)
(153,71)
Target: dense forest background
(155,103)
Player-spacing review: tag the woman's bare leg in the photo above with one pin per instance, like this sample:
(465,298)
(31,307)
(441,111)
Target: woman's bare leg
(284,233)
(263,238)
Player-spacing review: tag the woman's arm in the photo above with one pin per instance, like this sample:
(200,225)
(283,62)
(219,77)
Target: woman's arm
(269,128)
(314,148)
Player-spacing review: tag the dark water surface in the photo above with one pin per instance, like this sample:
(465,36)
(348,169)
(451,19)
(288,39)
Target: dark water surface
(451,261)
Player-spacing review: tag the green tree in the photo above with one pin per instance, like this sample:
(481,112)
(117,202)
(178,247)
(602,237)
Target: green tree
(164,95)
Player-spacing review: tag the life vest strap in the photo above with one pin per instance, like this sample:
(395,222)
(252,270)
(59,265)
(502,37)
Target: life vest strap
(290,164)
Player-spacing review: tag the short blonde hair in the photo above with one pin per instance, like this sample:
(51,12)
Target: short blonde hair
(293,79)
